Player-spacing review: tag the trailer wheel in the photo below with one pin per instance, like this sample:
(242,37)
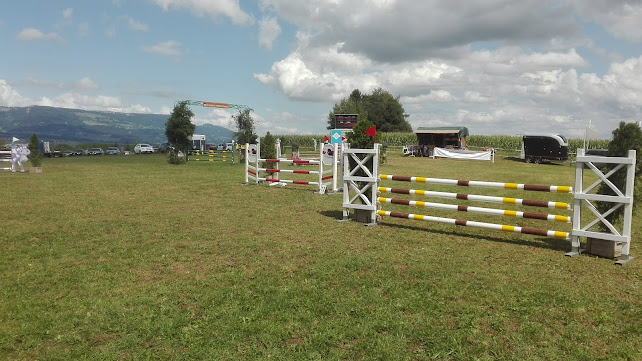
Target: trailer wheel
(529,160)
(538,161)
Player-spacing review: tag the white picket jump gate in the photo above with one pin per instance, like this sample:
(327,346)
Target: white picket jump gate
(325,179)
(5,156)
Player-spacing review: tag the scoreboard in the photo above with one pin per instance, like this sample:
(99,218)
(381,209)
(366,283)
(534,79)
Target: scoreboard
(345,121)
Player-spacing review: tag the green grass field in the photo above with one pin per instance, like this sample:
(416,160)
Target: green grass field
(129,258)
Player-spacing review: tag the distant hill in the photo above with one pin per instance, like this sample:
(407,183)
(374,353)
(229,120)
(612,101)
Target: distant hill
(63,125)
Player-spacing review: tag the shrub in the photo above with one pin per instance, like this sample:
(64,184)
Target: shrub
(35,157)
(268,149)
(175,158)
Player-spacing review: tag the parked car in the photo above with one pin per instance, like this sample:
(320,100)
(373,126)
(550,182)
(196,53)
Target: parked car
(112,151)
(68,153)
(96,151)
(165,147)
(143,148)
(80,152)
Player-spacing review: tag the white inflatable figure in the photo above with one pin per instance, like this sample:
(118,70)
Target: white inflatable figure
(19,153)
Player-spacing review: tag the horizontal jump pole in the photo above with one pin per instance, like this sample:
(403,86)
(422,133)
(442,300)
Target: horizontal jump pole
(477,198)
(211,160)
(211,152)
(465,183)
(481,210)
(289,171)
(211,156)
(294,161)
(493,226)
(288,181)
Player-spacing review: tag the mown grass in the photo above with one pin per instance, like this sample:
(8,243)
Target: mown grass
(128,257)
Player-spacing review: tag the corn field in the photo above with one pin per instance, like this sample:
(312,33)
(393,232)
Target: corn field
(499,142)
(514,143)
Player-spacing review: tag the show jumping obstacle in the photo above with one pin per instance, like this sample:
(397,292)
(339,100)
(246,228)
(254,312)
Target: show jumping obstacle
(360,185)
(212,156)
(324,178)
(487,211)
(5,156)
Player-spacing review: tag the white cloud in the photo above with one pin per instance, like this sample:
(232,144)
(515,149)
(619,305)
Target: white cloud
(136,25)
(211,8)
(170,48)
(284,123)
(32,34)
(513,60)
(67,19)
(67,13)
(87,102)
(269,30)
(476,97)
(297,80)
(329,74)
(439,96)
(83,29)
(87,84)
(11,97)
(620,18)
(84,83)
(218,117)
(406,30)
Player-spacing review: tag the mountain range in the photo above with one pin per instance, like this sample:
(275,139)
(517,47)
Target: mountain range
(63,125)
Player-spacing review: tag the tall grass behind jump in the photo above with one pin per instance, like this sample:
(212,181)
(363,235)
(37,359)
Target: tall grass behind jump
(116,258)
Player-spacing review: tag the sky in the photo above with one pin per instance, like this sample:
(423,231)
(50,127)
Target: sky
(498,67)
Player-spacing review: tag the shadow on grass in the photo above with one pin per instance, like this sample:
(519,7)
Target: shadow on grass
(514,159)
(554,244)
(554,163)
(338,215)
(290,187)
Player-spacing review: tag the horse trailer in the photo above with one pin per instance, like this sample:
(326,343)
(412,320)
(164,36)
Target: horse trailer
(537,148)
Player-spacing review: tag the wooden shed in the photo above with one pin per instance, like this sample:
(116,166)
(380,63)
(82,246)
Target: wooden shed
(442,137)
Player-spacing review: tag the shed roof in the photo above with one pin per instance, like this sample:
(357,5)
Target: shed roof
(462,131)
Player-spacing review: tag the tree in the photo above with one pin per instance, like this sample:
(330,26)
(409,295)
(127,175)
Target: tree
(35,156)
(351,105)
(245,127)
(625,137)
(386,112)
(179,127)
(381,108)
(358,138)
